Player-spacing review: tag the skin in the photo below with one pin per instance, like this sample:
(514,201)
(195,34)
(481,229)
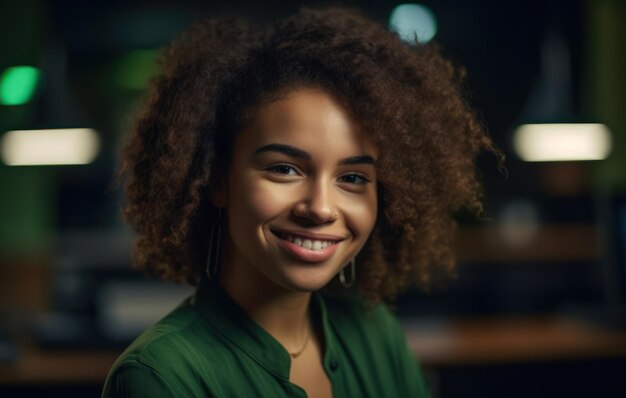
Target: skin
(302,165)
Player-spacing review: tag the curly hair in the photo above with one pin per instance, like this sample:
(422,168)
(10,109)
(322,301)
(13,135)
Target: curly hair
(407,97)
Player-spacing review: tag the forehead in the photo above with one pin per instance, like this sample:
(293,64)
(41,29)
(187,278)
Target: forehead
(310,119)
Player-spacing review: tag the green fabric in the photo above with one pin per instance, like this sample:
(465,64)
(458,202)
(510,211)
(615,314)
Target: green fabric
(209,347)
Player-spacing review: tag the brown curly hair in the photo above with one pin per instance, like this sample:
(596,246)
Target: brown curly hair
(408,98)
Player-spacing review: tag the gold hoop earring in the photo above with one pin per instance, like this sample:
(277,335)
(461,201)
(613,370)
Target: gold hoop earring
(342,276)
(215,237)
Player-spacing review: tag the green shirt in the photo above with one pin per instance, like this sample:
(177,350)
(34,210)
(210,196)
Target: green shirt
(209,347)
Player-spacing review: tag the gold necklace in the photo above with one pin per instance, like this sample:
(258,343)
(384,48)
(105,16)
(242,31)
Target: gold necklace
(301,350)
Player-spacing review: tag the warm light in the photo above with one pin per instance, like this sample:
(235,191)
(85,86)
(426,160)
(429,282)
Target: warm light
(18,84)
(413,21)
(562,142)
(49,147)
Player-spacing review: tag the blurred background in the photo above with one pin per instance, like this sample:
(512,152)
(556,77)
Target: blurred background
(537,307)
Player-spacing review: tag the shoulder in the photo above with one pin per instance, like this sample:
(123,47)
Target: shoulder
(131,378)
(162,357)
(165,338)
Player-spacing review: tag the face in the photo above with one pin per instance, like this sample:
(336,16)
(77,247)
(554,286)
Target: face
(300,193)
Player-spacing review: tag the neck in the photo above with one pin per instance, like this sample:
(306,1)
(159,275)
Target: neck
(282,313)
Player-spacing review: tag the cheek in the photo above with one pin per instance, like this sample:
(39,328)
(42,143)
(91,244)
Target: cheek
(258,199)
(361,215)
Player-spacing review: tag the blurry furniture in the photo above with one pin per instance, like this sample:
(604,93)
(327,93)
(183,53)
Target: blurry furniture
(540,356)
(97,298)
(510,340)
(443,347)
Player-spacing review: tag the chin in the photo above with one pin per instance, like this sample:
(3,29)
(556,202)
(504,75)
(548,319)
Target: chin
(306,281)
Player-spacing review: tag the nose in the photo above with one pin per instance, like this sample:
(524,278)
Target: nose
(317,204)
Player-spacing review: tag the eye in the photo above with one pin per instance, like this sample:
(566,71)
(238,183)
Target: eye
(354,179)
(283,169)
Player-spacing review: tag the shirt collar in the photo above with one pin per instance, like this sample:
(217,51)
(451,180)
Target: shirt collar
(231,321)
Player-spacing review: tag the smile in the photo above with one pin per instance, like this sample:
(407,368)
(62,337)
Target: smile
(310,244)
(307,248)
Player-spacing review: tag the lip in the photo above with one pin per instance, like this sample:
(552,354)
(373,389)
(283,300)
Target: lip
(306,255)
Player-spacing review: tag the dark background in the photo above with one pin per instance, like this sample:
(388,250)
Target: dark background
(543,252)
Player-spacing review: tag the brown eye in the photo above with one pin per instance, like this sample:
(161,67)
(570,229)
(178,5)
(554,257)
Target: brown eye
(354,179)
(283,169)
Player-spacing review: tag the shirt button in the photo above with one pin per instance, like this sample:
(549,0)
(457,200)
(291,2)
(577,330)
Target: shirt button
(334,365)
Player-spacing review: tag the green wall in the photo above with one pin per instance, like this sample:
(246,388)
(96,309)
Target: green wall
(27,194)
(606,84)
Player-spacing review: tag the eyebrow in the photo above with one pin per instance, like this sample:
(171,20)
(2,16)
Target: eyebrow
(286,149)
(299,153)
(365,159)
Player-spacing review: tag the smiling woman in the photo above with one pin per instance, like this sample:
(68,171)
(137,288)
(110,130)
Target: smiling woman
(302,177)
(271,167)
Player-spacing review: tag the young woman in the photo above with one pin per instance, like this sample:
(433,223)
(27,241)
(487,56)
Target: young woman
(299,175)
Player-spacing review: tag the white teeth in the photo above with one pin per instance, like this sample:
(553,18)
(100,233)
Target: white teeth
(309,244)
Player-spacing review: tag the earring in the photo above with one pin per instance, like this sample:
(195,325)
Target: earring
(342,276)
(215,237)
